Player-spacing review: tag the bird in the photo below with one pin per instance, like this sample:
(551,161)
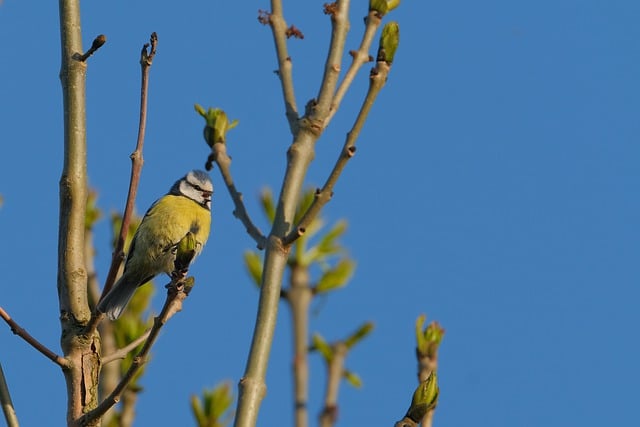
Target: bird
(185,208)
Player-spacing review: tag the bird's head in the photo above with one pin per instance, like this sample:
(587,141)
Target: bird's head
(197,186)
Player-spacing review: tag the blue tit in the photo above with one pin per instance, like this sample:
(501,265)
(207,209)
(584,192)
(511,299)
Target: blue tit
(186,208)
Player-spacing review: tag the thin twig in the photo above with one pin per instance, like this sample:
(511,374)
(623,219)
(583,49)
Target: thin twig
(376,82)
(340,27)
(146,59)
(360,57)
(222,159)
(7,405)
(121,353)
(97,44)
(285,66)
(17,330)
(175,295)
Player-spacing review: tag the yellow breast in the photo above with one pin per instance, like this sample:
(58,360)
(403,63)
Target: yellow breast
(165,224)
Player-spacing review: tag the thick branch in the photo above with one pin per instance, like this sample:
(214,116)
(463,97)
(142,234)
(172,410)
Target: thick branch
(22,333)
(299,156)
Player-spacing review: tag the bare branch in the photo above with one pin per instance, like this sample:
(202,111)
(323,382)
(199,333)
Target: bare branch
(22,333)
(340,27)
(360,57)
(146,59)
(285,67)
(222,159)
(376,83)
(121,353)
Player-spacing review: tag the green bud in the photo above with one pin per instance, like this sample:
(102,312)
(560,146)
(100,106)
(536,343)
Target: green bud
(336,277)
(424,399)
(380,6)
(389,42)
(217,124)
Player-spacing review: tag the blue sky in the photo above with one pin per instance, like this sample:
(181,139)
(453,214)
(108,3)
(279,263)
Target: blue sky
(495,188)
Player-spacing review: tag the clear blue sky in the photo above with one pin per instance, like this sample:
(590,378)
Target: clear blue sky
(495,188)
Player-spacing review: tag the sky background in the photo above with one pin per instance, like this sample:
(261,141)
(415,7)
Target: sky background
(495,188)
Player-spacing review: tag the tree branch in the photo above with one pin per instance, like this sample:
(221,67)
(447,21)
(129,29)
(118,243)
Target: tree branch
(335,371)
(137,160)
(176,293)
(285,67)
(22,333)
(376,83)
(340,27)
(299,296)
(222,159)
(360,57)
(121,353)
(7,405)
(252,386)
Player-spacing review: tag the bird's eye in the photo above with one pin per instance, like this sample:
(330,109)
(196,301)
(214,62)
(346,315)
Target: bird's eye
(197,187)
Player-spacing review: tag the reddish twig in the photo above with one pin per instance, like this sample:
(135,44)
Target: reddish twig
(146,59)
(22,333)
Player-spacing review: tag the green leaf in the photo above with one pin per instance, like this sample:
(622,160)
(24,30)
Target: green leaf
(209,410)
(336,277)
(424,398)
(352,378)
(358,335)
(266,199)
(253,262)
(389,41)
(329,244)
(200,110)
(305,201)
(198,411)
(322,347)
(93,213)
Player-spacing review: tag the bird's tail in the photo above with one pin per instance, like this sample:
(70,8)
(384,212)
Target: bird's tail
(118,297)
